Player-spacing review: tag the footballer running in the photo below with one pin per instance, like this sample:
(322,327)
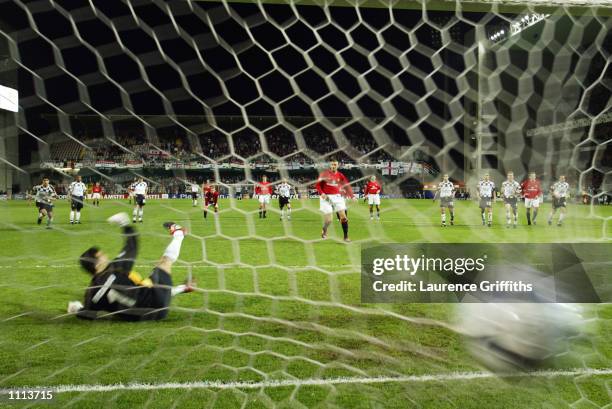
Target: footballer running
(372,192)
(511,191)
(76,196)
(333,187)
(284,190)
(484,193)
(44,195)
(263,191)
(140,195)
(532,191)
(96,194)
(194,194)
(446,191)
(559,191)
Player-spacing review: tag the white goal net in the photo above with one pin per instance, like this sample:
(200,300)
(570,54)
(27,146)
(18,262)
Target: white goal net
(184,92)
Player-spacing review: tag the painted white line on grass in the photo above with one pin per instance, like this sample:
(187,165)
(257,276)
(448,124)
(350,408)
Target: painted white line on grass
(280,383)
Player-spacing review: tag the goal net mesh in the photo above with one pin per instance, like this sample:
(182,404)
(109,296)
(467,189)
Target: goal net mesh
(183,92)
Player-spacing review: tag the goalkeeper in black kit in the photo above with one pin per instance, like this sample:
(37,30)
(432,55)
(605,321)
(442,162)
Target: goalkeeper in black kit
(123,293)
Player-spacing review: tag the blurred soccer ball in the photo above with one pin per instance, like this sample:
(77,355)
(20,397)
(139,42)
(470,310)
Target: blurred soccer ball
(506,337)
(74,307)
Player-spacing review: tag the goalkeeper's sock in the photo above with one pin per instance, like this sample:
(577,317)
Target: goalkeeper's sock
(179,289)
(174,248)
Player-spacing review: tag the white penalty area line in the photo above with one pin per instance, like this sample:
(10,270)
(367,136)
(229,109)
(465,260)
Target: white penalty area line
(280,383)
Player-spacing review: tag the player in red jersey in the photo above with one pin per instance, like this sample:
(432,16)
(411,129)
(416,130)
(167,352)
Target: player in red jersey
(96,193)
(263,191)
(211,197)
(372,192)
(333,187)
(532,191)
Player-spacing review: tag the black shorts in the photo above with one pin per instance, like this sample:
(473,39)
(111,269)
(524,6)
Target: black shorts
(446,202)
(44,206)
(283,201)
(485,202)
(76,203)
(158,297)
(512,201)
(559,202)
(194,195)
(140,200)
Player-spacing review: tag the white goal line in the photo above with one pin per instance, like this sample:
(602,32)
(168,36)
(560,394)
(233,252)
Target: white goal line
(279,383)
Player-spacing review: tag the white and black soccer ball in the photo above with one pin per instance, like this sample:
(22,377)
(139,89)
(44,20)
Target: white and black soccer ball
(506,337)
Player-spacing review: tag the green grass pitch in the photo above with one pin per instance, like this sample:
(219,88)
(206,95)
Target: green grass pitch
(274,302)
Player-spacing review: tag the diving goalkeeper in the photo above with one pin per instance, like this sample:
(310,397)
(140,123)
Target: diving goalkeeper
(121,292)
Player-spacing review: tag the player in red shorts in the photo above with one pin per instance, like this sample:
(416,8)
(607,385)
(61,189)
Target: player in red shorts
(372,195)
(333,187)
(532,191)
(263,191)
(96,193)
(211,197)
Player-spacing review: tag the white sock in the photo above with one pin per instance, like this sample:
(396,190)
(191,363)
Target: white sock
(561,217)
(282,213)
(135,213)
(141,213)
(72,215)
(178,289)
(289,210)
(444,217)
(490,217)
(78,216)
(174,248)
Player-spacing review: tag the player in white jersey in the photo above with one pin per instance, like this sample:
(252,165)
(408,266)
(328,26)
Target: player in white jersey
(485,192)
(511,191)
(560,193)
(284,191)
(76,195)
(44,195)
(446,191)
(140,196)
(194,194)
